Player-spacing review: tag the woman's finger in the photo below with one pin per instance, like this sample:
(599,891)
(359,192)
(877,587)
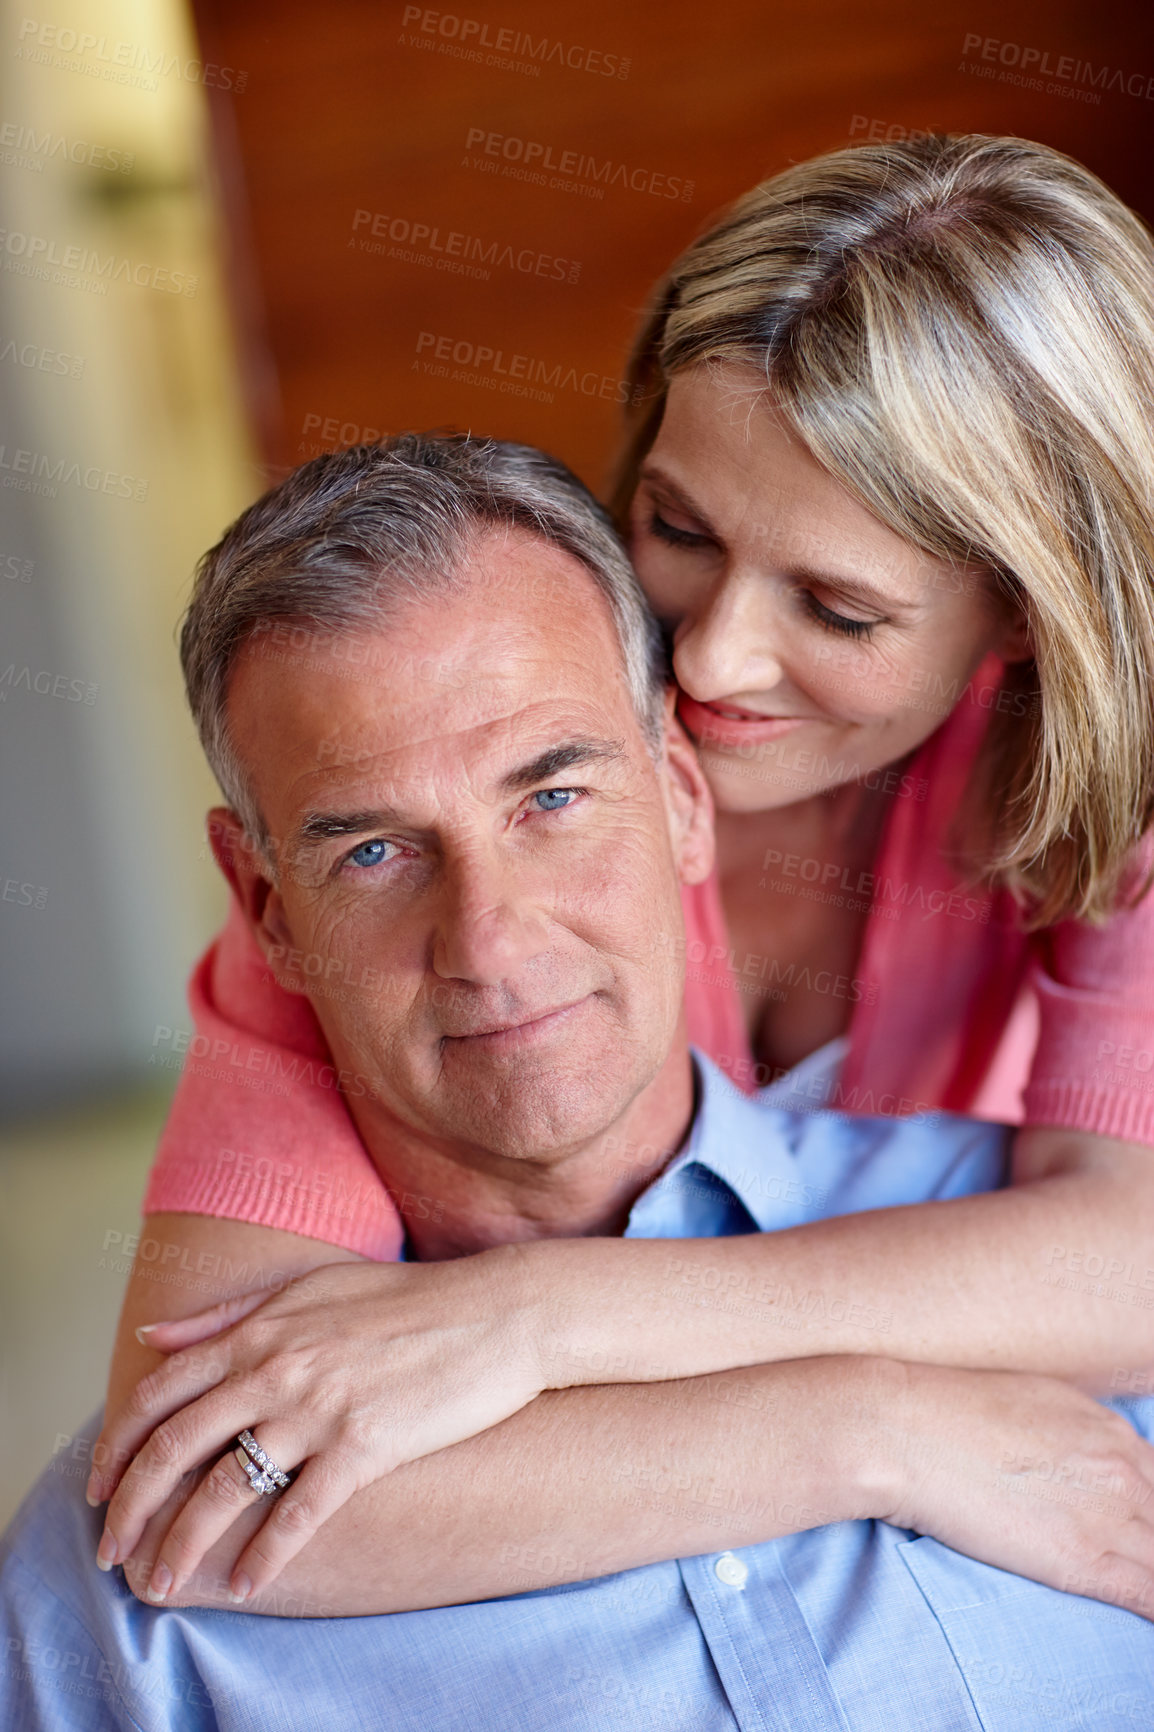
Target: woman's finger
(171,1386)
(181,1444)
(171,1336)
(178,1332)
(325,1483)
(1117,1579)
(225,1493)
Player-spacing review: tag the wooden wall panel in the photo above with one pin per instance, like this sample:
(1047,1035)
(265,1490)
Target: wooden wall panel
(364,107)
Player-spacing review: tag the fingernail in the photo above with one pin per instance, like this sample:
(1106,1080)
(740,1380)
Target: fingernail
(144,1329)
(160,1582)
(239,1590)
(106,1551)
(92,1493)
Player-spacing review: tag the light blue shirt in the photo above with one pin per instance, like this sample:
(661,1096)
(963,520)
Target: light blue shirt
(859,1626)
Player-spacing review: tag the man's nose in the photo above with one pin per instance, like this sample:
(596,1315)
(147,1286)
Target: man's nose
(490,920)
(731,645)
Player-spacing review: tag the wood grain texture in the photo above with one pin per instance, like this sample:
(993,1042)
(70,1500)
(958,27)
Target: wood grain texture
(363,107)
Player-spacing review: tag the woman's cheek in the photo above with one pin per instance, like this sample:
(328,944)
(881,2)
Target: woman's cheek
(845,680)
(666,585)
(863,683)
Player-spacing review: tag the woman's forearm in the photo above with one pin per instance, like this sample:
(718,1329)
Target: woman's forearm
(585,1482)
(1053,1275)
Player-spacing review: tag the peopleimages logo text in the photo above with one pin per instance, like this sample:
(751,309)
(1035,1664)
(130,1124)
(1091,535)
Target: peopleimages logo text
(574,165)
(521,375)
(21,146)
(474,34)
(38,254)
(454,250)
(44,44)
(1035,63)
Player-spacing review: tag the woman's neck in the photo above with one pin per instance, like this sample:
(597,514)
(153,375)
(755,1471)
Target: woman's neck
(806,947)
(845,824)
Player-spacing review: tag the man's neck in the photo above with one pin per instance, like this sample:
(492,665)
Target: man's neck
(454,1201)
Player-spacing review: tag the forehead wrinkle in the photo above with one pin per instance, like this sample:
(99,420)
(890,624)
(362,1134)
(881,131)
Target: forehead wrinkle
(568,737)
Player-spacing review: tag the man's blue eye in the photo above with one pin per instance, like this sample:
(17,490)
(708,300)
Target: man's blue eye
(554,799)
(368,854)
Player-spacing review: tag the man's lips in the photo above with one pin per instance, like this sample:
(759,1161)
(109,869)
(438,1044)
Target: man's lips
(729,725)
(525,1028)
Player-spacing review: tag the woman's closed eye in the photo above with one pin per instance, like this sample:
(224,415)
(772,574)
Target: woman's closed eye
(674,536)
(840,622)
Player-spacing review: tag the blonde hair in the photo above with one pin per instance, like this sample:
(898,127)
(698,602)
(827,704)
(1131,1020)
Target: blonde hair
(961,329)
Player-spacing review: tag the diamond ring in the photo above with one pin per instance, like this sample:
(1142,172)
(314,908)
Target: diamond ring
(263,1473)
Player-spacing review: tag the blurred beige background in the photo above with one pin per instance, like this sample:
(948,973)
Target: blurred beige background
(123,453)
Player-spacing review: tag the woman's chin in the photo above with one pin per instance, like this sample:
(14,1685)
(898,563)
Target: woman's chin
(745,785)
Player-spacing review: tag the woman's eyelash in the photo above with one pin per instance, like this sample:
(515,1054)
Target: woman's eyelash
(840,622)
(825,616)
(669,532)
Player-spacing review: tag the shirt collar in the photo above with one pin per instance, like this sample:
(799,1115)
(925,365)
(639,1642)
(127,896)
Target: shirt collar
(747,1147)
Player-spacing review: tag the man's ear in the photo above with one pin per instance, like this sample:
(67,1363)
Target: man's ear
(250,876)
(689,801)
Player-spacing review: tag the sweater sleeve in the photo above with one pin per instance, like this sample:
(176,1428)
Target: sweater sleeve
(258,1129)
(1094,1063)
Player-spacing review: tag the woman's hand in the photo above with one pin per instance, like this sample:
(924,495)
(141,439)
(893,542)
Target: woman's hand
(351,1370)
(1031,1475)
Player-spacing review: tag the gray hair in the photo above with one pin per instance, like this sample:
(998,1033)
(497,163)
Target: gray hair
(349,534)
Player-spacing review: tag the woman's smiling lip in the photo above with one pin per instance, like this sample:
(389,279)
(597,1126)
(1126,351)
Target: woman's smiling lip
(729,725)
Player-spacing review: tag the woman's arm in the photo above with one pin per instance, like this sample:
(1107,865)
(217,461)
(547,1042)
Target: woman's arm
(671,1468)
(579,1483)
(1054,1275)
(258,1129)
(662,1470)
(1024,1473)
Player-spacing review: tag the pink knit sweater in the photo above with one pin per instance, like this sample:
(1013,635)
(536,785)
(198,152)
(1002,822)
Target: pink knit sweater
(953,1007)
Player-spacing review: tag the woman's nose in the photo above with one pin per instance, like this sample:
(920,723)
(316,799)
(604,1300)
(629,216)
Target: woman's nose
(730,646)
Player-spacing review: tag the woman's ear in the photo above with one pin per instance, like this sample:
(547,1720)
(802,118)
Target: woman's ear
(688,800)
(1015,641)
(253,883)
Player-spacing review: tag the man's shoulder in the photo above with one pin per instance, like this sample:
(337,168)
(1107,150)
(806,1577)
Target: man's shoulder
(53,1536)
(838,1160)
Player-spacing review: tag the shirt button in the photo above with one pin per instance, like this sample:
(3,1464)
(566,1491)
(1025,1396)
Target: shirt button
(731,1571)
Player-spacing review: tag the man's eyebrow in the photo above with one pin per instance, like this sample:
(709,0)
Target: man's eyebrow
(324,826)
(319,827)
(554,759)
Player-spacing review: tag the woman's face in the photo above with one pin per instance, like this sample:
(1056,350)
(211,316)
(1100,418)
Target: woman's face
(812,645)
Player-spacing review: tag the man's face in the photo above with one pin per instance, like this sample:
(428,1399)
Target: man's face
(478,857)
